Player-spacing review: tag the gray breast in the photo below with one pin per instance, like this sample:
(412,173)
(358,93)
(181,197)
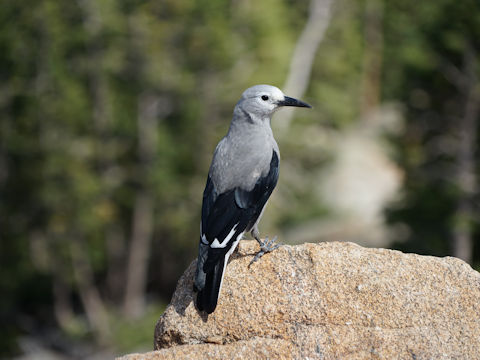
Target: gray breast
(239,162)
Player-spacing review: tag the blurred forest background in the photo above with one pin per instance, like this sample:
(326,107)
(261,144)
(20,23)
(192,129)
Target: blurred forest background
(111,110)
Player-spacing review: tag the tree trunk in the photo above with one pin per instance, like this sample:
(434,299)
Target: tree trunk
(372,58)
(134,302)
(467,145)
(143,213)
(116,256)
(62,305)
(94,308)
(103,122)
(303,56)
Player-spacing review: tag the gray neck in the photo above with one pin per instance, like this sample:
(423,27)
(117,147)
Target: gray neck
(246,151)
(244,122)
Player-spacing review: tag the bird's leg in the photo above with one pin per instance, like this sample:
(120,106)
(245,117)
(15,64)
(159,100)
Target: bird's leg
(265,246)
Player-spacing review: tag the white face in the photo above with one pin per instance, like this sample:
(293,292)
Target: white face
(261,100)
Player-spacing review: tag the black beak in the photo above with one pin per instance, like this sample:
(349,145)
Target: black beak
(288,101)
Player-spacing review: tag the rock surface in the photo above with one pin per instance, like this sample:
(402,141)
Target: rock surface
(328,301)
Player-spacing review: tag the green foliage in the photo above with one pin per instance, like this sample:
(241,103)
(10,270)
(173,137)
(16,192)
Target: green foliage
(74,75)
(336,77)
(420,46)
(74,80)
(135,336)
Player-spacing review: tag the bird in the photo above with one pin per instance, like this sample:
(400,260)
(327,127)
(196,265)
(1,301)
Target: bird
(242,175)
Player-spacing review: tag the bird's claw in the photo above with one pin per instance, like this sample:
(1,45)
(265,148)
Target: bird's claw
(265,247)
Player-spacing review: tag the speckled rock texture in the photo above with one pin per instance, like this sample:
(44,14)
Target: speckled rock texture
(328,301)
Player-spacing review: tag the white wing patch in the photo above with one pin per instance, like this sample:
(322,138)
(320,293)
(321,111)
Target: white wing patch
(227,255)
(216,244)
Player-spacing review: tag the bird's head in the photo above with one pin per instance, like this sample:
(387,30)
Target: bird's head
(263,100)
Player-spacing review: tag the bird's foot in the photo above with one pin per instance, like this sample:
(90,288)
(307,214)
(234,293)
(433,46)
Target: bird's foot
(265,247)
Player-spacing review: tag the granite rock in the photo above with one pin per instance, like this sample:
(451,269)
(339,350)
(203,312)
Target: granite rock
(328,301)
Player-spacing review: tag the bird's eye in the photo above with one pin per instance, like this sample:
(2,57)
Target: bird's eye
(264,97)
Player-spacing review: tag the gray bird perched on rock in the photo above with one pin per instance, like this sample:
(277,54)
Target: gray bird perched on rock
(242,176)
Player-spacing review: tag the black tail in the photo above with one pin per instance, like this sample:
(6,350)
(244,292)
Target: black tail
(207,297)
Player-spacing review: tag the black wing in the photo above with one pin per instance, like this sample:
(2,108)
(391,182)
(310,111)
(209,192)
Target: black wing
(229,215)
(220,213)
